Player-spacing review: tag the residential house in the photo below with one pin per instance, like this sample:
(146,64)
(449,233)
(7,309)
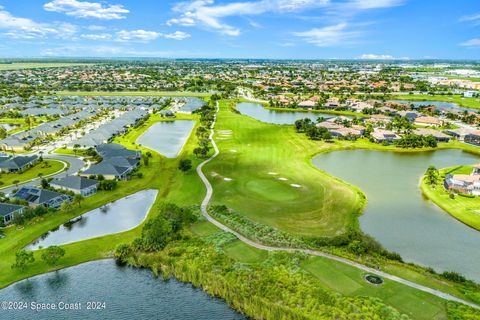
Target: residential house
(8,211)
(307,104)
(17,164)
(381,136)
(464,183)
(78,185)
(439,136)
(473,138)
(42,197)
(428,121)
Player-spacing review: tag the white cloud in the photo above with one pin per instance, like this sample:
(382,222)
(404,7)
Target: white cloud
(473,17)
(146,36)
(374,4)
(83,9)
(370,56)
(471,43)
(100,36)
(329,36)
(137,35)
(210,15)
(177,35)
(24,28)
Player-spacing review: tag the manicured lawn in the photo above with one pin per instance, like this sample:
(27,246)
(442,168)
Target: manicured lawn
(134,93)
(45,168)
(297,198)
(71,152)
(465,209)
(350,281)
(203,228)
(473,103)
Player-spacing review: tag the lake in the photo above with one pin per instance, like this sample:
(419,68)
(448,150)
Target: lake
(167,137)
(440,104)
(398,216)
(128,293)
(118,216)
(257,111)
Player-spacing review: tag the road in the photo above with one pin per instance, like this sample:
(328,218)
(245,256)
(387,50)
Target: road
(204,209)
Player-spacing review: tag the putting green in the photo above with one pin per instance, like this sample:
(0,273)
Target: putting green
(271,190)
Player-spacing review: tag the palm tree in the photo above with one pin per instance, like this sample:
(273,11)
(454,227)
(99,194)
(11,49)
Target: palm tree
(78,198)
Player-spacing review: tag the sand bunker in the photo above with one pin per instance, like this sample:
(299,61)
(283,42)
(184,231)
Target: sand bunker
(296,185)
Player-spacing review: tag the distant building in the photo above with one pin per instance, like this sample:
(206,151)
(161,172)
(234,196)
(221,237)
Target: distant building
(380,136)
(473,138)
(439,136)
(470,94)
(428,121)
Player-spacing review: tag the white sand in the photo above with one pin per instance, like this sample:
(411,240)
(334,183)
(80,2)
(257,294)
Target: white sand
(272,173)
(295,185)
(227,179)
(283,179)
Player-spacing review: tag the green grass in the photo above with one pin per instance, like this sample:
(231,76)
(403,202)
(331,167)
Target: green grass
(46,167)
(71,152)
(242,252)
(37,65)
(464,209)
(134,93)
(350,281)
(472,103)
(253,150)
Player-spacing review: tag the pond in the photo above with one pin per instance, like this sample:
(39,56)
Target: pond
(118,216)
(128,293)
(398,216)
(167,137)
(257,111)
(440,104)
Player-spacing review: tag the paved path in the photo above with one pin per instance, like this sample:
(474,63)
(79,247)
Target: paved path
(357,265)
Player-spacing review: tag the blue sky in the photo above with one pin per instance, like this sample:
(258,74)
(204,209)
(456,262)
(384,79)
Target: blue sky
(303,29)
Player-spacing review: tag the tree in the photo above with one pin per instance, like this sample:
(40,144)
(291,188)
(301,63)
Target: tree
(3,133)
(432,175)
(66,206)
(78,198)
(76,146)
(16,182)
(30,122)
(185,165)
(45,184)
(146,161)
(52,254)
(22,259)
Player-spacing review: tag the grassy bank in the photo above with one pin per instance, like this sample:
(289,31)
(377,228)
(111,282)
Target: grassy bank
(462,208)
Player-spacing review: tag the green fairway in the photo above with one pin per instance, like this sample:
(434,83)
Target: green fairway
(350,281)
(473,103)
(264,172)
(465,209)
(44,168)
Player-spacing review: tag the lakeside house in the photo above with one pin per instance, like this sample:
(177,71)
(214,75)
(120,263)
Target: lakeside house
(42,197)
(78,185)
(473,138)
(381,136)
(464,183)
(17,164)
(459,133)
(8,211)
(439,136)
(307,104)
